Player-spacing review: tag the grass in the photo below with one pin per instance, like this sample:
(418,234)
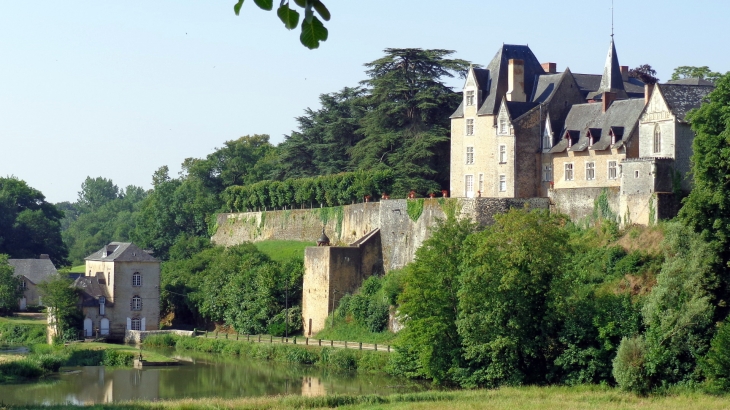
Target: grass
(21,331)
(352,331)
(146,355)
(77,269)
(20,320)
(281,251)
(512,398)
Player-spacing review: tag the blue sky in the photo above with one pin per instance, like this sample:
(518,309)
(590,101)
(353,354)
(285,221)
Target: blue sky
(118,89)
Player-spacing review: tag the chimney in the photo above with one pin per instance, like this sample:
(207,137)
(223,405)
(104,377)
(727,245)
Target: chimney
(648,89)
(625,72)
(44,256)
(607,100)
(549,68)
(516,81)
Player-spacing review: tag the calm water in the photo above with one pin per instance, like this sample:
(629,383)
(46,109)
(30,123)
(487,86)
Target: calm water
(202,376)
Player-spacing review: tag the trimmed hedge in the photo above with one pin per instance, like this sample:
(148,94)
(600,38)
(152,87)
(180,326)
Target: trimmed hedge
(329,190)
(341,359)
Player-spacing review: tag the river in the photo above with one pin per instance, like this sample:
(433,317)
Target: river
(201,375)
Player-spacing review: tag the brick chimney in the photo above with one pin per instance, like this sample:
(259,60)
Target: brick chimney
(648,89)
(625,72)
(607,100)
(550,68)
(44,256)
(516,81)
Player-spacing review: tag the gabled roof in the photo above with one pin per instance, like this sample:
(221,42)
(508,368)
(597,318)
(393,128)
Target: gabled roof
(121,252)
(35,270)
(612,80)
(681,98)
(622,115)
(498,72)
(481,78)
(91,288)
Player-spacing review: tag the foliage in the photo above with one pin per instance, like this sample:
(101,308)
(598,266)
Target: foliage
(629,365)
(406,128)
(415,208)
(10,291)
(716,363)
(282,251)
(430,345)
(644,73)
(13,333)
(368,308)
(29,226)
(330,190)
(62,300)
(313,31)
(703,73)
(504,316)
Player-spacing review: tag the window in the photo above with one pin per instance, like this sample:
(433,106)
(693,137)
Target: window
(481,182)
(590,171)
(470,98)
(23,285)
(136,324)
(657,139)
(612,170)
(102,305)
(470,126)
(503,126)
(469,185)
(502,183)
(136,279)
(469,155)
(636,174)
(547,142)
(568,172)
(502,154)
(136,303)
(547,173)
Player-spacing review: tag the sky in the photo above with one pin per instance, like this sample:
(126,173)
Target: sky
(119,89)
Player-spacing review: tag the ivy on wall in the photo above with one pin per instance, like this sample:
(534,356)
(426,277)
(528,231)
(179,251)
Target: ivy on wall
(415,208)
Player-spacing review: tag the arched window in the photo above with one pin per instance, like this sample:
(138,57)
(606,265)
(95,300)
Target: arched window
(657,139)
(136,303)
(136,279)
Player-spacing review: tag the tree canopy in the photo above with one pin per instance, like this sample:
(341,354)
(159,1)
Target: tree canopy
(10,291)
(703,72)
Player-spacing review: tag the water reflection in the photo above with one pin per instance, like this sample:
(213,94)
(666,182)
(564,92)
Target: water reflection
(202,376)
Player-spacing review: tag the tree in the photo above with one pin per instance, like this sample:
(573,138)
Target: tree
(406,128)
(313,31)
(29,226)
(62,302)
(703,73)
(429,346)
(504,316)
(10,291)
(644,73)
(95,192)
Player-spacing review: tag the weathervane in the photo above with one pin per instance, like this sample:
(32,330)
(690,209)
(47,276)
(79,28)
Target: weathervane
(611,18)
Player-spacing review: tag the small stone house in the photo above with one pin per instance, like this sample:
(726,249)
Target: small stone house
(31,273)
(120,291)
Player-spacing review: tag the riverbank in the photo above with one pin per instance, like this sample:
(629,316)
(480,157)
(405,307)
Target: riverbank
(512,398)
(339,359)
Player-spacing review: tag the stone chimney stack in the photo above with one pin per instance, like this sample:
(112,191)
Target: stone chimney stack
(44,256)
(607,100)
(516,81)
(550,68)
(625,72)
(648,89)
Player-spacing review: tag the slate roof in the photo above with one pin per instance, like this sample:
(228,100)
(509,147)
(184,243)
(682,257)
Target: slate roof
(121,252)
(691,81)
(481,76)
(590,83)
(91,288)
(497,72)
(681,98)
(544,87)
(36,270)
(612,80)
(621,119)
(517,109)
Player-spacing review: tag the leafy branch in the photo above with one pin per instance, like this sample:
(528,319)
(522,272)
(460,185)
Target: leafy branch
(313,31)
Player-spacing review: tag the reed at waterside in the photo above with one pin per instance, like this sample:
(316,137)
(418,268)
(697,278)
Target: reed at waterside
(341,359)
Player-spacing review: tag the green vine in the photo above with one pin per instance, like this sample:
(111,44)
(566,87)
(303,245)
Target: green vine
(450,206)
(415,208)
(602,208)
(263,220)
(652,211)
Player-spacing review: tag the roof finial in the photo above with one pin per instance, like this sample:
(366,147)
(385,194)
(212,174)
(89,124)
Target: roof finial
(611,18)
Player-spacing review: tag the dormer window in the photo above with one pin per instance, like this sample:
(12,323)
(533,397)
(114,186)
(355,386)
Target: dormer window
(470,98)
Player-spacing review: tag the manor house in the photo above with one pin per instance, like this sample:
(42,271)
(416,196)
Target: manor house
(525,130)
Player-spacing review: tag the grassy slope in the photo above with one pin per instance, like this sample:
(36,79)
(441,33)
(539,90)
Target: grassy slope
(515,398)
(352,332)
(19,320)
(77,269)
(283,250)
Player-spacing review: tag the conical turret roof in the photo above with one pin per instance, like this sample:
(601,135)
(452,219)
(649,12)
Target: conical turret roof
(612,80)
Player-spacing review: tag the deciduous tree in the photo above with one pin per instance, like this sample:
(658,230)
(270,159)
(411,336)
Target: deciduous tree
(10,291)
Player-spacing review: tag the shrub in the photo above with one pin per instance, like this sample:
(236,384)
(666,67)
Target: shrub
(716,364)
(377,319)
(629,365)
(163,340)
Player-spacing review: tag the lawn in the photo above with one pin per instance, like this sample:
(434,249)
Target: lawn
(512,398)
(283,250)
(353,332)
(77,269)
(22,320)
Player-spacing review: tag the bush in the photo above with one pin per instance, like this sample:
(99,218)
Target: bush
(22,334)
(162,340)
(629,365)
(716,364)
(378,315)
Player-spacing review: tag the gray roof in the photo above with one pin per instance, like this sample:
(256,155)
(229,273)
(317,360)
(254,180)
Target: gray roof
(91,288)
(544,87)
(36,270)
(612,80)
(590,83)
(620,119)
(682,98)
(121,252)
(517,109)
(497,71)
(481,76)
(691,81)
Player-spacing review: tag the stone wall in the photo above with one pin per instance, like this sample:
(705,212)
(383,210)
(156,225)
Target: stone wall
(580,203)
